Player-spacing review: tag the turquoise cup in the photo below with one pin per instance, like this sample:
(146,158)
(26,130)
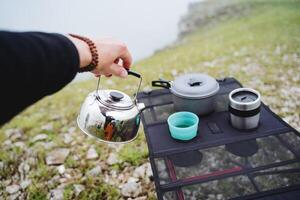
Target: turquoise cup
(183,125)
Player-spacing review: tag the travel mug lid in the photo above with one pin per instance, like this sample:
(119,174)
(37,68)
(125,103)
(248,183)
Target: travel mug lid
(244,99)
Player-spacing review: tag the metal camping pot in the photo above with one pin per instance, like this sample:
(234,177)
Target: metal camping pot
(111,116)
(244,108)
(193,92)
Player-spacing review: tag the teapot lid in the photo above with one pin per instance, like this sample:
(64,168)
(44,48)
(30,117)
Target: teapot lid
(114,99)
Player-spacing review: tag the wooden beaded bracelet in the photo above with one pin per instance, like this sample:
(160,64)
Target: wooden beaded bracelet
(93,51)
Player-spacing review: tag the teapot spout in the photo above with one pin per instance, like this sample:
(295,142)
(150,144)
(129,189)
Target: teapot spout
(141,106)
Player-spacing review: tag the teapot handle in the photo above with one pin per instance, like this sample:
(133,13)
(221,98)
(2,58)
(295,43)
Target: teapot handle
(133,73)
(129,73)
(140,83)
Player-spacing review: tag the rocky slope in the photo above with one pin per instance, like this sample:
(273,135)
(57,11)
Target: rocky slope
(44,155)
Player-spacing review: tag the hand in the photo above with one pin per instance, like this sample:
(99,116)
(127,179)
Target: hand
(114,56)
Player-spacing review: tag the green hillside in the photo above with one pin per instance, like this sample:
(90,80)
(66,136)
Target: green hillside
(259,47)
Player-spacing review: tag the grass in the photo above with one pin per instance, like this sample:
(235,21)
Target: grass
(261,49)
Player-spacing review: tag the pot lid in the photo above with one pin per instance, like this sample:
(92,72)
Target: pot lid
(115,99)
(195,86)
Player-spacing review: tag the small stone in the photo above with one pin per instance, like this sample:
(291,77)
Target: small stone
(174,72)
(47,127)
(109,82)
(285,58)
(71,129)
(20,144)
(49,145)
(24,184)
(39,137)
(140,171)
(95,171)
(7,182)
(15,196)
(57,156)
(11,132)
(68,138)
(131,189)
(16,136)
(63,180)
(61,169)
(2,165)
(220,197)
(57,194)
(23,168)
(132,179)
(78,188)
(7,143)
(112,159)
(12,189)
(149,172)
(211,196)
(31,161)
(91,153)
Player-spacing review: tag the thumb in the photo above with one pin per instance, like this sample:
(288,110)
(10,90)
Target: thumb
(118,70)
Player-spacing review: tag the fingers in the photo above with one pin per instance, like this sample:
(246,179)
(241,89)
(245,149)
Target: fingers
(126,58)
(118,70)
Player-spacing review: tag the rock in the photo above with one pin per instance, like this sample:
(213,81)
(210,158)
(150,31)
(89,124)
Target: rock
(63,180)
(109,82)
(211,197)
(7,143)
(20,144)
(71,129)
(15,196)
(116,147)
(1,166)
(47,127)
(68,138)
(23,169)
(16,136)
(91,153)
(95,171)
(285,58)
(24,184)
(11,189)
(31,161)
(57,194)
(174,72)
(53,181)
(220,197)
(149,170)
(132,179)
(6,182)
(57,156)
(39,137)
(112,159)
(131,189)
(49,145)
(113,173)
(61,169)
(78,188)
(10,132)
(140,171)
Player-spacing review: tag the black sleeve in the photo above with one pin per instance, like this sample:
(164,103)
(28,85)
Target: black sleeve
(33,65)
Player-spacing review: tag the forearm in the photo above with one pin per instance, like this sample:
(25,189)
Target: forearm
(33,65)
